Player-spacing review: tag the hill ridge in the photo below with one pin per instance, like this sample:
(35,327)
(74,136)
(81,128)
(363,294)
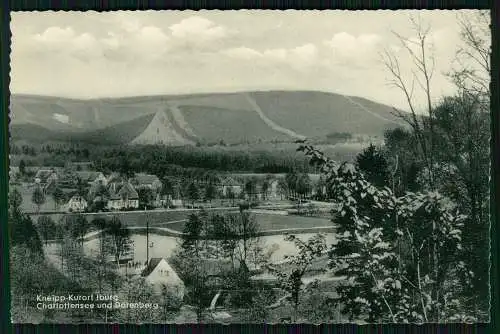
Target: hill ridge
(232,118)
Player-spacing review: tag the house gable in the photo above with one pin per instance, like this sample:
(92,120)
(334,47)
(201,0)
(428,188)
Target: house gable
(159,271)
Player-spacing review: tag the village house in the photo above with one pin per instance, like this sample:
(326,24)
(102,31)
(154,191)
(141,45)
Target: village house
(91,178)
(44,176)
(76,204)
(122,197)
(162,277)
(47,179)
(167,200)
(228,185)
(141,180)
(115,181)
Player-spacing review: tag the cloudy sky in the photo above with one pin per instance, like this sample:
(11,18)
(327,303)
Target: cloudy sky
(87,55)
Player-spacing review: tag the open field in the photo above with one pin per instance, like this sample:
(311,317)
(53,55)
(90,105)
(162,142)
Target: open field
(276,222)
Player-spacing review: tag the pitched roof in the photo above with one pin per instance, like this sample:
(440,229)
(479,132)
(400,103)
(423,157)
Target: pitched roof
(114,177)
(78,198)
(126,190)
(151,266)
(142,178)
(229,181)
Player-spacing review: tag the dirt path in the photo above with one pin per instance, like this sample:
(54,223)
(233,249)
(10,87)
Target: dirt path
(371,112)
(269,122)
(180,121)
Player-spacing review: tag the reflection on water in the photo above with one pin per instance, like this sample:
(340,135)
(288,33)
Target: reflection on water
(164,246)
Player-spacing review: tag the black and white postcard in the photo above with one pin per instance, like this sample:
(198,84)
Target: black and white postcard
(250,166)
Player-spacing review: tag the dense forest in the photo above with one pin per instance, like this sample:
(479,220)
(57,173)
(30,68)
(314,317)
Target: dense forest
(155,158)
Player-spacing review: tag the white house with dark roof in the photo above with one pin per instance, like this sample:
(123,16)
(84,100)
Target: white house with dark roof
(163,277)
(91,178)
(122,196)
(76,204)
(150,181)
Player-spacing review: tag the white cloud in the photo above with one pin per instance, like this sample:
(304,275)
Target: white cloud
(349,48)
(242,53)
(195,27)
(133,42)
(55,35)
(276,54)
(66,42)
(306,52)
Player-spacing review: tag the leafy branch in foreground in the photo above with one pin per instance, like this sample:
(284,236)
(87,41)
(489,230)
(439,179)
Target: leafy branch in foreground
(397,254)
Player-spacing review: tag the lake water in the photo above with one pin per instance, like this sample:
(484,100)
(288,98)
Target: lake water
(164,246)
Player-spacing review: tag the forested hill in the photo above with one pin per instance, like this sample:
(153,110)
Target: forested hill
(232,118)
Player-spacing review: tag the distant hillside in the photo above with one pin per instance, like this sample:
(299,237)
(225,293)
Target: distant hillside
(232,118)
(315,114)
(124,132)
(31,132)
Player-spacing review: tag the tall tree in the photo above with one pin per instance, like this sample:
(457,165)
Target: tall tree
(373,164)
(291,280)
(192,233)
(46,227)
(420,52)
(464,156)
(22,167)
(210,192)
(146,197)
(38,198)
(103,251)
(251,188)
(283,189)
(193,192)
(58,197)
(230,195)
(472,68)
(15,200)
(266,186)
(120,237)
(303,185)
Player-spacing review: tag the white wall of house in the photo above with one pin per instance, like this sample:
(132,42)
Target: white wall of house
(76,204)
(101,179)
(164,275)
(117,204)
(236,190)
